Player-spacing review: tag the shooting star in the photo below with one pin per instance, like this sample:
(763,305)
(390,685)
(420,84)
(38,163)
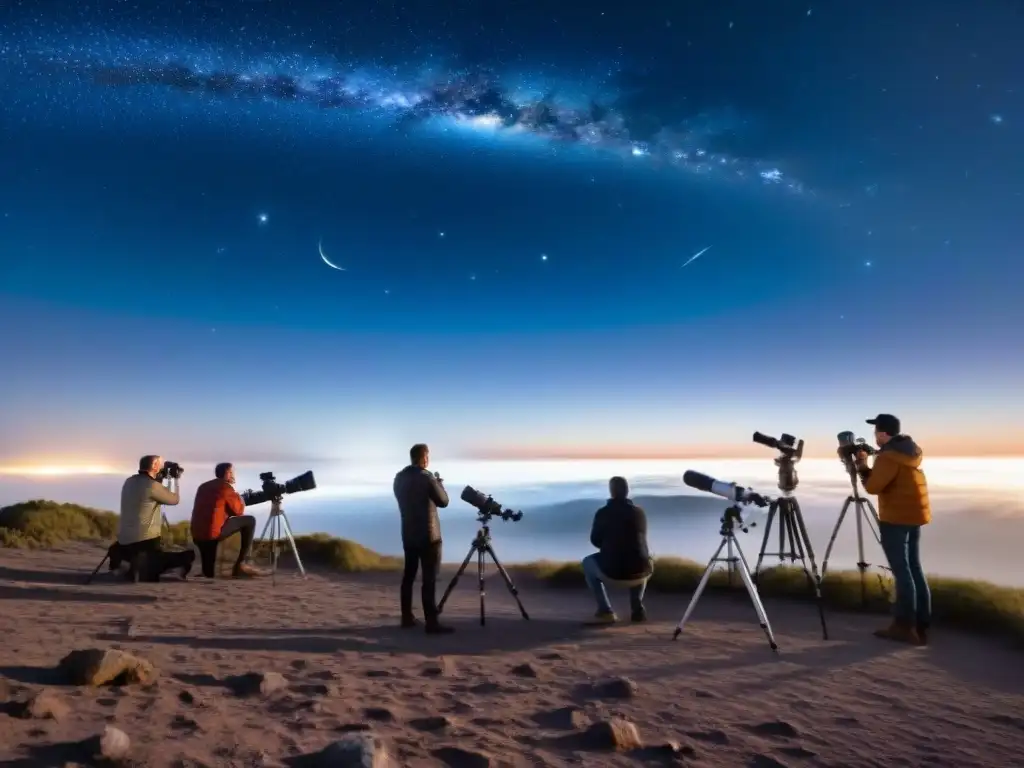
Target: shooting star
(327,261)
(697,255)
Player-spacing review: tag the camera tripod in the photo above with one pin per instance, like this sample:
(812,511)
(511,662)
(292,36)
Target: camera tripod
(794,543)
(730,521)
(864,511)
(482,546)
(279,528)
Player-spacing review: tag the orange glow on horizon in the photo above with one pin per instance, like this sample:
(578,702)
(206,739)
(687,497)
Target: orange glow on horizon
(58,470)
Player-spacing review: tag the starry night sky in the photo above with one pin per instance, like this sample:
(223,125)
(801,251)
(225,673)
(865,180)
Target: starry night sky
(512,191)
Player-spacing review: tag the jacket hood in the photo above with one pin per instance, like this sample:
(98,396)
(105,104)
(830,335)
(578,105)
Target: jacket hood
(904,450)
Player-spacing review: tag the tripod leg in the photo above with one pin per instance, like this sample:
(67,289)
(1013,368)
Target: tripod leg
(755,598)
(700,589)
(508,581)
(772,511)
(455,579)
(483,586)
(92,575)
(291,541)
(832,538)
(807,553)
(263,536)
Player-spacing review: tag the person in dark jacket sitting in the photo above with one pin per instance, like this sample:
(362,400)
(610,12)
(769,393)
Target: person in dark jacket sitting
(419,493)
(620,533)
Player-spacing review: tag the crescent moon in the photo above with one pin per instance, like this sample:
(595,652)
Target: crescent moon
(320,247)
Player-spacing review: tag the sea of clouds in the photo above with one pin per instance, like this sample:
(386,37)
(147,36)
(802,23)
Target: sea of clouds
(977,530)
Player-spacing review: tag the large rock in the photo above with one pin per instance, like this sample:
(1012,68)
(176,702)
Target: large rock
(617,734)
(356,751)
(96,666)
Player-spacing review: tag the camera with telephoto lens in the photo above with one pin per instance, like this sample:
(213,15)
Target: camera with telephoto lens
(272,489)
(171,469)
(487,507)
(850,445)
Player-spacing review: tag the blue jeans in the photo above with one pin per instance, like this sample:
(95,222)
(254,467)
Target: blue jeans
(596,579)
(902,546)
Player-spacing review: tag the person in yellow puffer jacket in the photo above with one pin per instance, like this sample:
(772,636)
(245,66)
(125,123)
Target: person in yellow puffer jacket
(903,507)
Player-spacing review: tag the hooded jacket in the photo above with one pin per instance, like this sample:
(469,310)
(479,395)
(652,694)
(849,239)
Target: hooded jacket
(419,493)
(141,516)
(896,478)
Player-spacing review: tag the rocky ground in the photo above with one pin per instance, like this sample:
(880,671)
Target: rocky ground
(315,672)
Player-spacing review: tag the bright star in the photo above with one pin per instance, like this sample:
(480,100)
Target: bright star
(997,119)
(440,234)
(263,218)
(543,257)
(867,263)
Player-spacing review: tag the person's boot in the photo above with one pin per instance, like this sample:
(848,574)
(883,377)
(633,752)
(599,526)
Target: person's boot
(638,616)
(602,619)
(900,632)
(922,632)
(409,621)
(244,571)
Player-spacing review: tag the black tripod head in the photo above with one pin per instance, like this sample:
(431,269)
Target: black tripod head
(791,450)
(732,519)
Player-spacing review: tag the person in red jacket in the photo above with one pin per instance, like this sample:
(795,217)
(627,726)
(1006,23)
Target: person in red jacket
(219,512)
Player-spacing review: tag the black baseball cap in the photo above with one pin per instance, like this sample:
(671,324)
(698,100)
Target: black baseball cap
(886,422)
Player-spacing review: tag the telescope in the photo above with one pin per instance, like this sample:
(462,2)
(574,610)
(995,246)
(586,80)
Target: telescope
(787,445)
(487,507)
(729,491)
(271,489)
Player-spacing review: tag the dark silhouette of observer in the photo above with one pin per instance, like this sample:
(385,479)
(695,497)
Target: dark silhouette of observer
(620,534)
(419,493)
(218,513)
(903,508)
(140,525)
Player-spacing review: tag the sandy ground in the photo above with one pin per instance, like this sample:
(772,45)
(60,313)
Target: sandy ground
(513,693)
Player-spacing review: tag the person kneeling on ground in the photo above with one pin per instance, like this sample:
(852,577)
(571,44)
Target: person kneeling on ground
(620,533)
(219,512)
(141,523)
(903,508)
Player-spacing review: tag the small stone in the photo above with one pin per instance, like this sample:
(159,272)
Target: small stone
(616,688)
(673,747)
(379,714)
(357,751)
(45,705)
(95,666)
(616,733)
(457,757)
(524,670)
(113,744)
(262,683)
(445,667)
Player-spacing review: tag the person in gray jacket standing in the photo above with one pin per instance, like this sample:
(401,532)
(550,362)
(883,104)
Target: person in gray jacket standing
(419,493)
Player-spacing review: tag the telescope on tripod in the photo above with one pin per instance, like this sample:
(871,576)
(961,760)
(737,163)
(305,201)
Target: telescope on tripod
(278,528)
(793,544)
(482,545)
(731,520)
(863,510)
